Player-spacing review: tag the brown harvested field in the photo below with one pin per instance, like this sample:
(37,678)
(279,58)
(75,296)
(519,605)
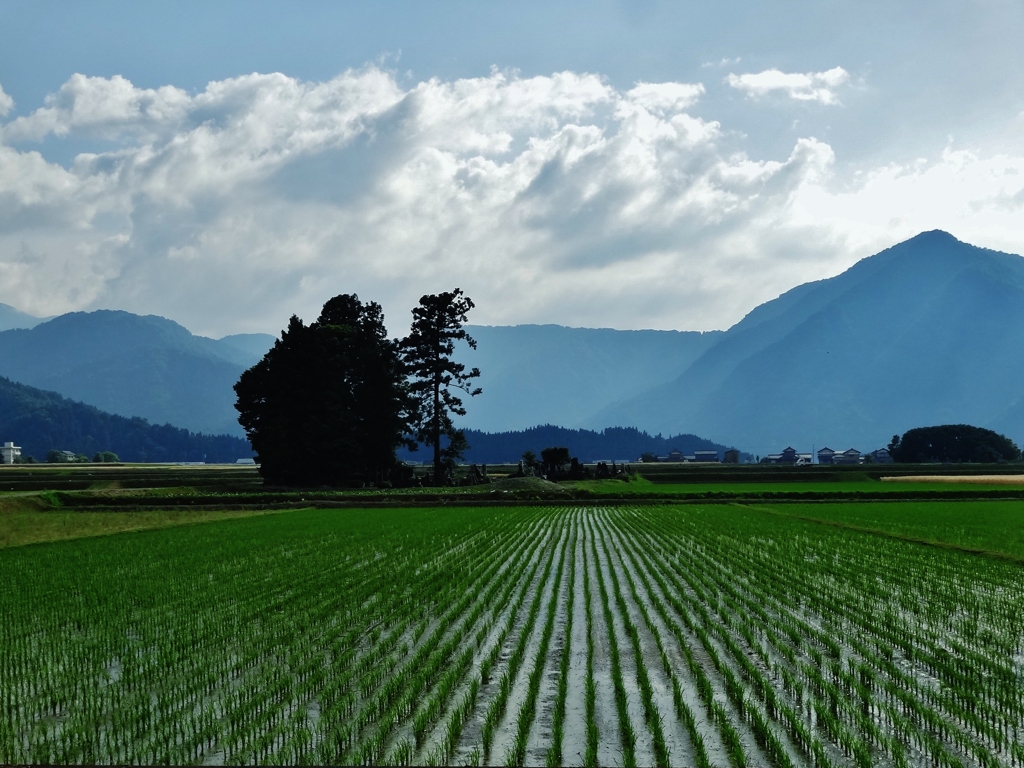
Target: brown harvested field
(959,479)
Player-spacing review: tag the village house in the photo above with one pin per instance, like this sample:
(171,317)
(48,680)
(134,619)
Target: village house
(849,456)
(826,456)
(10,452)
(705,456)
(881,456)
(789,456)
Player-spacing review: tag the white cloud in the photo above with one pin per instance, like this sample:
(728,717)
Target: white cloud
(99,106)
(6,103)
(665,98)
(807,86)
(547,199)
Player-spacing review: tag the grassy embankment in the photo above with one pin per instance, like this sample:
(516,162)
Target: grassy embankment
(33,500)
(979,512)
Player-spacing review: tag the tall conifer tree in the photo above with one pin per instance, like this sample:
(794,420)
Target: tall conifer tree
(435,376)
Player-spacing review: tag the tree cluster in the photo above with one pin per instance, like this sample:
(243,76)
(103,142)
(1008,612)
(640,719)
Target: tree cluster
(614,443)
(953,443)
(331,402)
(57,456)
(556,463)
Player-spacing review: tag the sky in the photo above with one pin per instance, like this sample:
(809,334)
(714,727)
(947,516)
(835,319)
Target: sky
(624,164)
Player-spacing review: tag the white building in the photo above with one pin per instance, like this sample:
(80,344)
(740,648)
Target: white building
(10,452)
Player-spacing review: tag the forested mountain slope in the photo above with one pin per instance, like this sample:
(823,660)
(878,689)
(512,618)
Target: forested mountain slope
(926,332)
(40,421)
(613,444)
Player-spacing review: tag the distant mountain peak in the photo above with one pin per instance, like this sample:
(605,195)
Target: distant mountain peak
(920,333)
(933,236)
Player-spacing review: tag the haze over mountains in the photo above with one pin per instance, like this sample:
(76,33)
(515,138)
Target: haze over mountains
(154,368)
(923,333)
(12,318)
(131,365)
(550,374)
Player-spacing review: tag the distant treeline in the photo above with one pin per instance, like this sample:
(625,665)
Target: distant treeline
(611,444)
(40,421)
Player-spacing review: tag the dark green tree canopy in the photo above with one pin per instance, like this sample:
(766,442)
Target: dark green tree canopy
(954,443)
(555,457)
(437,323)
(328,404)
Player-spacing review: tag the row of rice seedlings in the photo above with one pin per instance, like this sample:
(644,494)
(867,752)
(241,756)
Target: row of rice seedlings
(500,604)
(683,711)
(852,685)
(496,709)
(456,721)
(761,725)
(593,734)
(627,736)
(427,714)
(652,717)
(346,735)
(759,684)
(272,713)
(171,702)
(785,716)
(963,743)
(516,754)
(851,744)
(730,737)
(394,700)
(715,712)
(554,755)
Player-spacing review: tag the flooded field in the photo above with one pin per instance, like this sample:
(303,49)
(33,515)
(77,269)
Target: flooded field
(658,635)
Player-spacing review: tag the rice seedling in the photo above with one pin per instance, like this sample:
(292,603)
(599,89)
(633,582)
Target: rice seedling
(554,754)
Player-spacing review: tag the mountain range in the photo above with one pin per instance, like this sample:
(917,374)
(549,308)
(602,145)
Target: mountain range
(926,332)
(12,318)
(923,333)
(151,367)
(133,365)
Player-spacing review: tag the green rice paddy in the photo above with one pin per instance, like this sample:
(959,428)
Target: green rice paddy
(581,634)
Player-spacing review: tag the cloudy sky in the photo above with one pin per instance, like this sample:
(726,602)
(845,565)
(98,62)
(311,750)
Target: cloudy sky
(627,164)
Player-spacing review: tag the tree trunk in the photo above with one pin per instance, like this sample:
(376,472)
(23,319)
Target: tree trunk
(437,432)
